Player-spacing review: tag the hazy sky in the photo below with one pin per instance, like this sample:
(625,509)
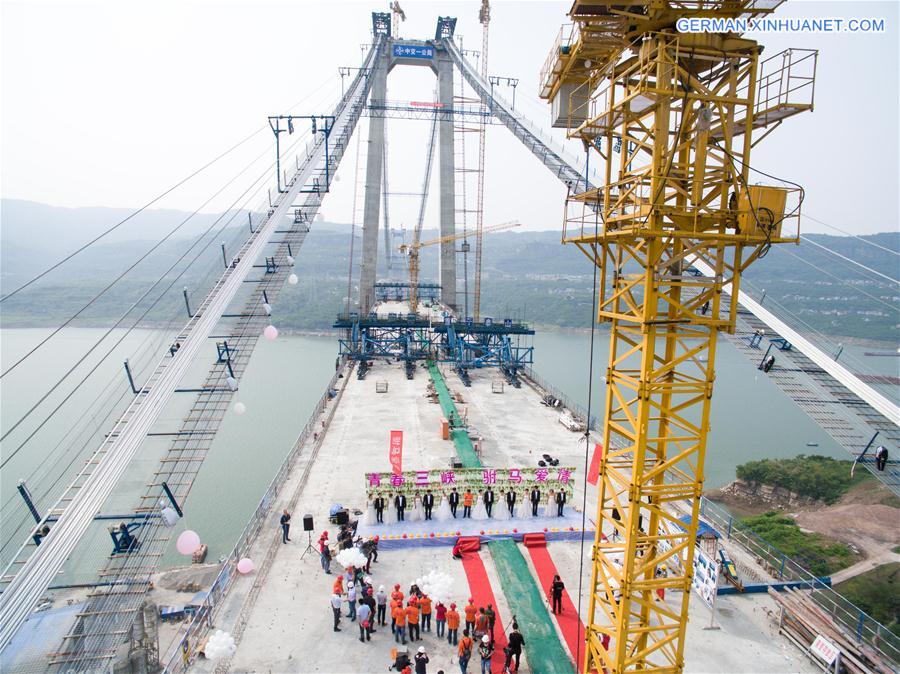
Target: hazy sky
(110,103)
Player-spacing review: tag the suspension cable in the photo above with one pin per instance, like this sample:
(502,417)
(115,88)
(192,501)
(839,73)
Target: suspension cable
(841,281)
(155,199)
(112,283)
(844,257)
(587,439)
(122,317)
(855,236)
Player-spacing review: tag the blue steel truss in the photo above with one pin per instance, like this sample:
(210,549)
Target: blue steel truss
(469,345)
(464,345)
(398,291)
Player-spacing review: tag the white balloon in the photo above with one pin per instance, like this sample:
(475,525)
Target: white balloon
(219,645)
(292,279)
(437,585)
(290,259)
(240,408)
(351,557)
(270,333)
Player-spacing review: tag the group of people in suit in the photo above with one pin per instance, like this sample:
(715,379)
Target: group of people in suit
(421,506)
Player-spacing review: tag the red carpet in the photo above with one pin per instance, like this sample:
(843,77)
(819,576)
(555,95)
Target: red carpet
(569,623)
(481,592)
(469,543)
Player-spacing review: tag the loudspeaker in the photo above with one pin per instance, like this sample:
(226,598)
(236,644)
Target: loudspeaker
(308,523)
(342,517)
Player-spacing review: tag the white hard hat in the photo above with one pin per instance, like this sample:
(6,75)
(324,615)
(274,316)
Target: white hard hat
(381,588)
(421,649)
(486,639)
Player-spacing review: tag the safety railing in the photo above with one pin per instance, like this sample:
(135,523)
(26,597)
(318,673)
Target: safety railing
(181,655)
(784,568)
(549,71)
(578,410)
(787,79)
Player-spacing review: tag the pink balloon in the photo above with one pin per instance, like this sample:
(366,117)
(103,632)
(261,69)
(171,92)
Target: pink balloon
(270,333)
(188,542)
(245,565)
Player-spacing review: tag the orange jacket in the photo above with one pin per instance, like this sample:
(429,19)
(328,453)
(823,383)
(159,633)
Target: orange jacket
(452,619)
(397,595)
(338,587)
(482,623)
(465,646)
(399,616)
(425,603)
(468,499)
(471,611)
(412,614)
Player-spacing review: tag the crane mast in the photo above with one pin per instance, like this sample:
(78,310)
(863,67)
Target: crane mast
(412,252)
(671,117)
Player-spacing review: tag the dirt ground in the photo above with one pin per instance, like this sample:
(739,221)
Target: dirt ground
(870,525)
(867,518)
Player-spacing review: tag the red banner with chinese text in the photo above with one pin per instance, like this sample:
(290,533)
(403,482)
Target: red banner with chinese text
(396,452)
(594,470)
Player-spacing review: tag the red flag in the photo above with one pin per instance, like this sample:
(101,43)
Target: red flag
(396,451)
(594,470)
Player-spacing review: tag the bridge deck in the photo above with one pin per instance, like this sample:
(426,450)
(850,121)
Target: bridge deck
(285,621)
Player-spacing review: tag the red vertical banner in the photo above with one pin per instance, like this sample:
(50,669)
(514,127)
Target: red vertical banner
(594,470)
(396,452)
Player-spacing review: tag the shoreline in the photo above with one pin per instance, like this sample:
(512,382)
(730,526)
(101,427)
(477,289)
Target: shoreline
(329,332)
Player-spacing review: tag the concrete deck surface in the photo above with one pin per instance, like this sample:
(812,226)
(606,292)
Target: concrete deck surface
(289,622)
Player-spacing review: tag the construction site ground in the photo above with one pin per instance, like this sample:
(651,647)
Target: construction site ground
(280,614)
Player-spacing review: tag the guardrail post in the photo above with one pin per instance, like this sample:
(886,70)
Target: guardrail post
(730,524)
(781,571)
(859,626)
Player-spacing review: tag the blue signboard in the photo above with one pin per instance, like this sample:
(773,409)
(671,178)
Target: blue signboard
(413,51)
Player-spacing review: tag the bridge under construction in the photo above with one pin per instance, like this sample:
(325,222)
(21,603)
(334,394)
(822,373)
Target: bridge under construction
(665,205)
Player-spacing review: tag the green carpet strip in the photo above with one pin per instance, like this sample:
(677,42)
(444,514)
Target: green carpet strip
(526,601)
(464,449)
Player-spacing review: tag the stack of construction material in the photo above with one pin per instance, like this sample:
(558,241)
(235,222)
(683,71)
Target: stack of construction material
(802,620)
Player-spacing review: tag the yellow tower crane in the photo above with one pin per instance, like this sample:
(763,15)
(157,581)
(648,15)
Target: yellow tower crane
(411,250)
(671,116)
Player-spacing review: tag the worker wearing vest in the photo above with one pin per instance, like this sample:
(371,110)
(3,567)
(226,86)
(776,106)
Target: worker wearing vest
(412,617)
(425,607)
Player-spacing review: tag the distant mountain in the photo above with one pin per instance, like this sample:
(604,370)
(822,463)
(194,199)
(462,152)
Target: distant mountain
(526,274)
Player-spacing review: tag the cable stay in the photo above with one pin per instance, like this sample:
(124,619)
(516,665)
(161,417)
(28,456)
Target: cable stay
(27,577)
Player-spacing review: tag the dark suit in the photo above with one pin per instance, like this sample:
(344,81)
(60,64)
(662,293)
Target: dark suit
(428,504)
(560,502)
(454,502)
(379,509)
(535,499)
(488,501)
(511,502)
(400,505)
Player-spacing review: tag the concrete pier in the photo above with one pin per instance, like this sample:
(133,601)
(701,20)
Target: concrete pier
(447,162)
(372,201)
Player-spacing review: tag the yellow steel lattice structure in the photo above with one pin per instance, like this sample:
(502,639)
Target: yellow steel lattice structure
(672,118)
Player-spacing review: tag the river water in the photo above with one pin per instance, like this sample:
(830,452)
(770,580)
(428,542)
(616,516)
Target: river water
(751,419)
